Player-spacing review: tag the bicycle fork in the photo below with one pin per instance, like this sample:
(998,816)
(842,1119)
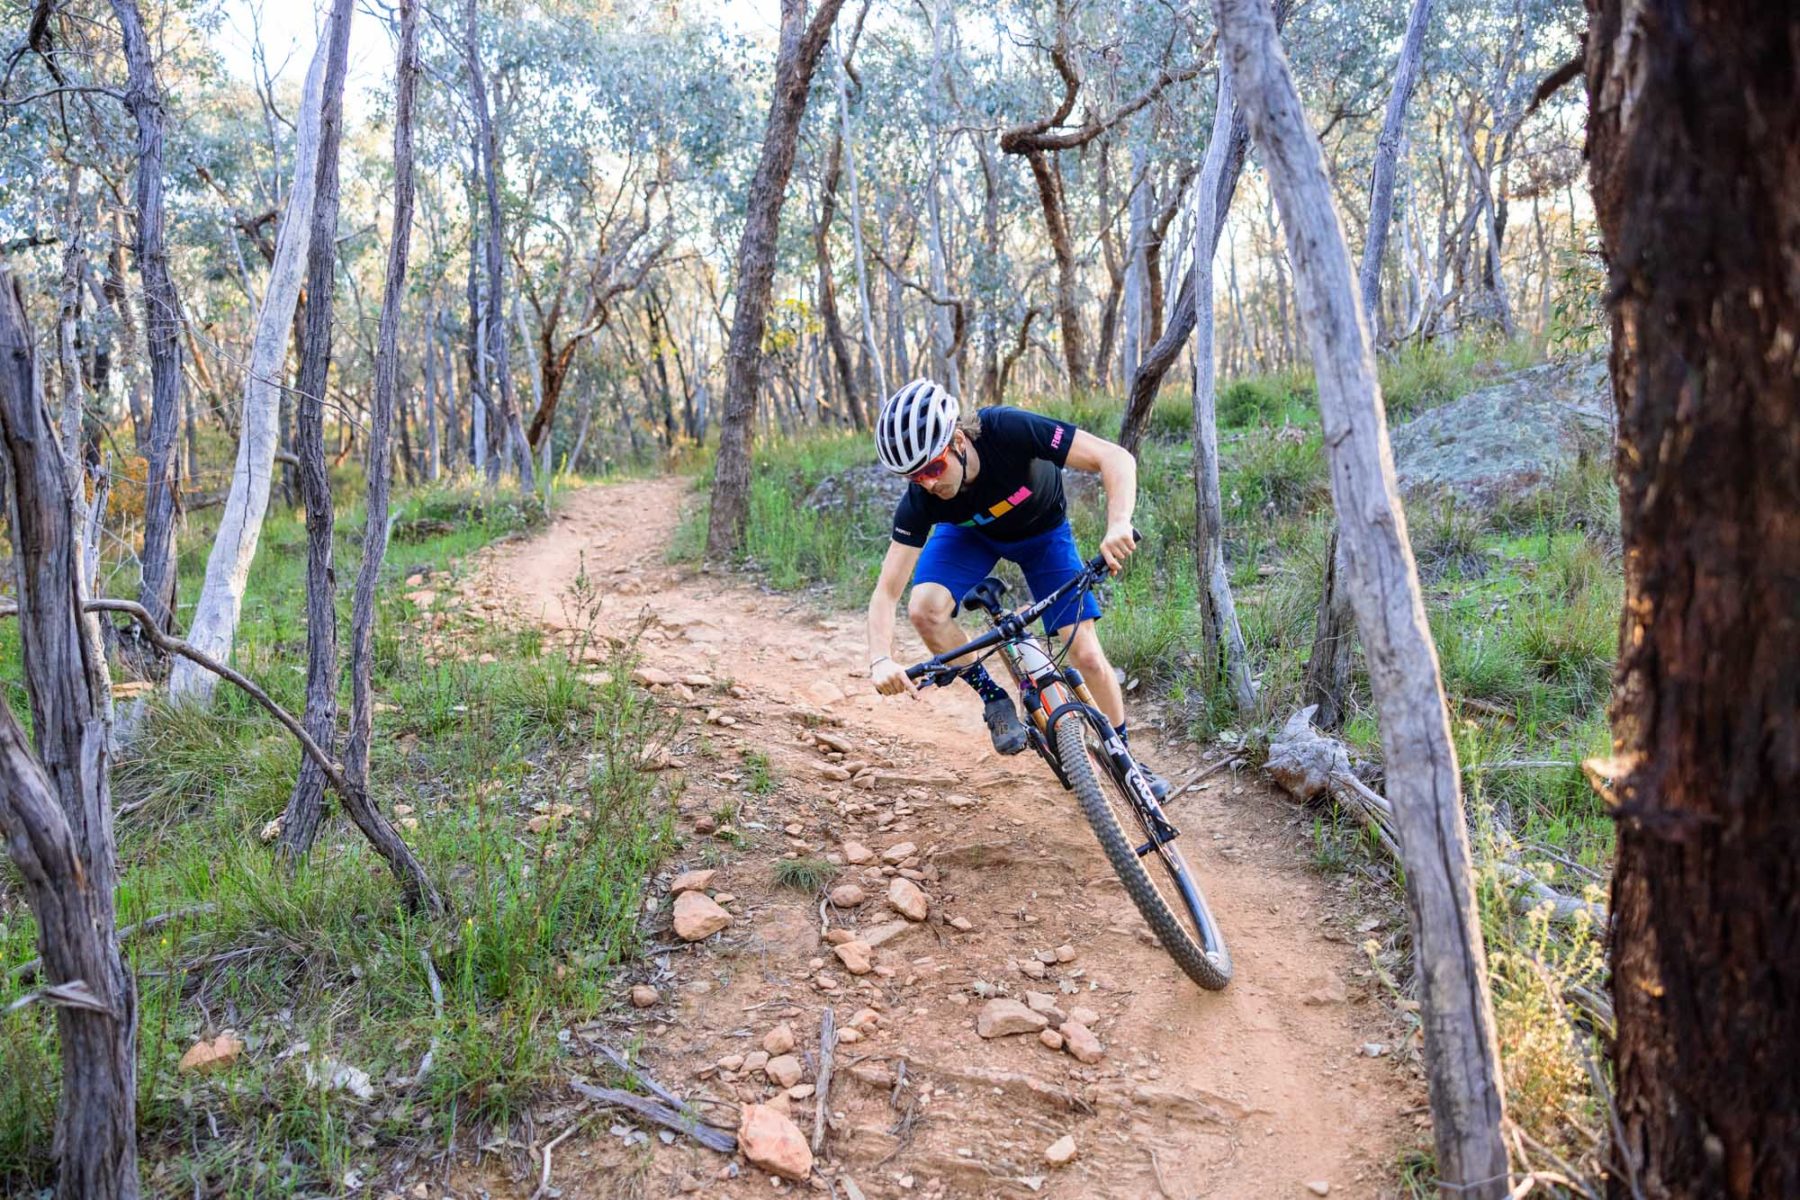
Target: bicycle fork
(1040,683)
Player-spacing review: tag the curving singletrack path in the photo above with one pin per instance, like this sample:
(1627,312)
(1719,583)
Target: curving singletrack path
(1259,1091)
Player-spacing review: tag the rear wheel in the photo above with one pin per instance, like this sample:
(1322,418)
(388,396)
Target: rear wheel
(1160,883)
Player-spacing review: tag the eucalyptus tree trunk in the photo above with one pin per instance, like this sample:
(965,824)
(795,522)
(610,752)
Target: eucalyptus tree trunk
(1116,265)
(801,42)
(1224,637)
(259,430)
(1327,682)
(944,342)
(487,147)
(305,805)
(1461,1055)
(861,413)
(387,356)
(55,805)
(162,322)
(865,312)
(1693,144)
(1387,155)
(434,463)
(1157,360)
(1137,264)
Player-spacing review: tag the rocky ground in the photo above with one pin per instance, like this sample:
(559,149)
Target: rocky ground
(1004,1023)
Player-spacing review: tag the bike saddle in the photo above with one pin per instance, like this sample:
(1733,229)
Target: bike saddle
(985,596)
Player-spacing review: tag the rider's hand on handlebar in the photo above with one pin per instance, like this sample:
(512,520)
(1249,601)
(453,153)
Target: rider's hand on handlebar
(890,678)
(1117,546)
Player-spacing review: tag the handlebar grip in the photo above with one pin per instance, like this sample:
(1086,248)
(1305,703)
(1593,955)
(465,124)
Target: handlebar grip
(1098,562)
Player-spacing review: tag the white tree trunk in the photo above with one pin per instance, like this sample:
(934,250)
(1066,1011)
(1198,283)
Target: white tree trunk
(866,314)
(1137,267)
(942,336)
(234,546)
(1387,154)
(1461,1054)
(1222,629)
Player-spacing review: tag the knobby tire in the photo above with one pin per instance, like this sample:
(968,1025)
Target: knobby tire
(1089,781)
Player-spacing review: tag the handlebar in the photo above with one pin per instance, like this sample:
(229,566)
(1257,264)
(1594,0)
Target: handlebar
(936,670)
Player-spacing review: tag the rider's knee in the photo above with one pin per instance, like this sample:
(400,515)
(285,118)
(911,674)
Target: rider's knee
(1087,654)
(929,607)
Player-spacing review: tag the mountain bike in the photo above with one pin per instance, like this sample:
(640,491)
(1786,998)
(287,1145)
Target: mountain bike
(1068,730)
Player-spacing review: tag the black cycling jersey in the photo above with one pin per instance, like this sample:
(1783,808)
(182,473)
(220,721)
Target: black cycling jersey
(1017,495)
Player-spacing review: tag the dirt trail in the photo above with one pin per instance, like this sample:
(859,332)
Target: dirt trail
(1255,1092)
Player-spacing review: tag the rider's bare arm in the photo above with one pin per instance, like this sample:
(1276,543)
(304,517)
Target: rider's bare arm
(889,676)
(1118,475)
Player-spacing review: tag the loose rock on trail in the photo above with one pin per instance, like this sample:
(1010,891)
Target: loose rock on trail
(968,891)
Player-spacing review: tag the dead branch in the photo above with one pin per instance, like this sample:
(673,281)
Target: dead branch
(685,1121)
(25,972)
(827,1048)
(381,834)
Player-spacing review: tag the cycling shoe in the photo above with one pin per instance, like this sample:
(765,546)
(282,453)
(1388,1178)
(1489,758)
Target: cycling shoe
(1004,726)
(1159,787)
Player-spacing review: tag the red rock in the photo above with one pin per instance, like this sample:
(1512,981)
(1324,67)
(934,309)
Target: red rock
(905,898)
(774,1143)
(857,957)
(1080,1041)
(204,1056)
(697,917)
(1002,1017)
(784,1070)
(692,881)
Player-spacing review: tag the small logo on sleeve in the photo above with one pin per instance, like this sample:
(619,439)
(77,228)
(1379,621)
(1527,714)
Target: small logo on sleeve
(1056,438)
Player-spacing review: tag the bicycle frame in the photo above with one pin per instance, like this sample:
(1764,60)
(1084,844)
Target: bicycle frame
(1048,690)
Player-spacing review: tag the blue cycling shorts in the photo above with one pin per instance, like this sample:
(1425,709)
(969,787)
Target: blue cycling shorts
(958,557)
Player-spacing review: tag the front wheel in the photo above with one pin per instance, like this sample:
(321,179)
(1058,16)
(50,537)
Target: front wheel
(1168,896)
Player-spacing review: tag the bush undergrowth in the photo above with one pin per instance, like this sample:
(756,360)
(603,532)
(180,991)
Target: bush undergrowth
(513,774)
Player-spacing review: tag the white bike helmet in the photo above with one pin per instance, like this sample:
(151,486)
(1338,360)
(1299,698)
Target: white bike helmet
(915,425)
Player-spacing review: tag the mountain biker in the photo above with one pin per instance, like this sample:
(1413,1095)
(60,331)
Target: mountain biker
(987,486)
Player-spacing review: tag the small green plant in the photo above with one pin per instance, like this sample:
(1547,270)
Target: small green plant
(1331,846)
(803,874)
(761,775)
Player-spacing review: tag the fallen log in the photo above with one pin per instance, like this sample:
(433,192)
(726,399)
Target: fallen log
(1307,764)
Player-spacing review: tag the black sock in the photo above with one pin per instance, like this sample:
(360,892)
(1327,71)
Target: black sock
(983,683)
(1123,735)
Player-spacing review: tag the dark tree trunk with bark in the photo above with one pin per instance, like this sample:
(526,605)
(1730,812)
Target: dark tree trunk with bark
(305,805)
(387,355)
(1694,145)
(162,321)
(1048,177)
(56,805)
(1334,631)
(801,42)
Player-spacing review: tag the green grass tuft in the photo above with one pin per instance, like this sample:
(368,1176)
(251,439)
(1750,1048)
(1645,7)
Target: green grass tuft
(804,874)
